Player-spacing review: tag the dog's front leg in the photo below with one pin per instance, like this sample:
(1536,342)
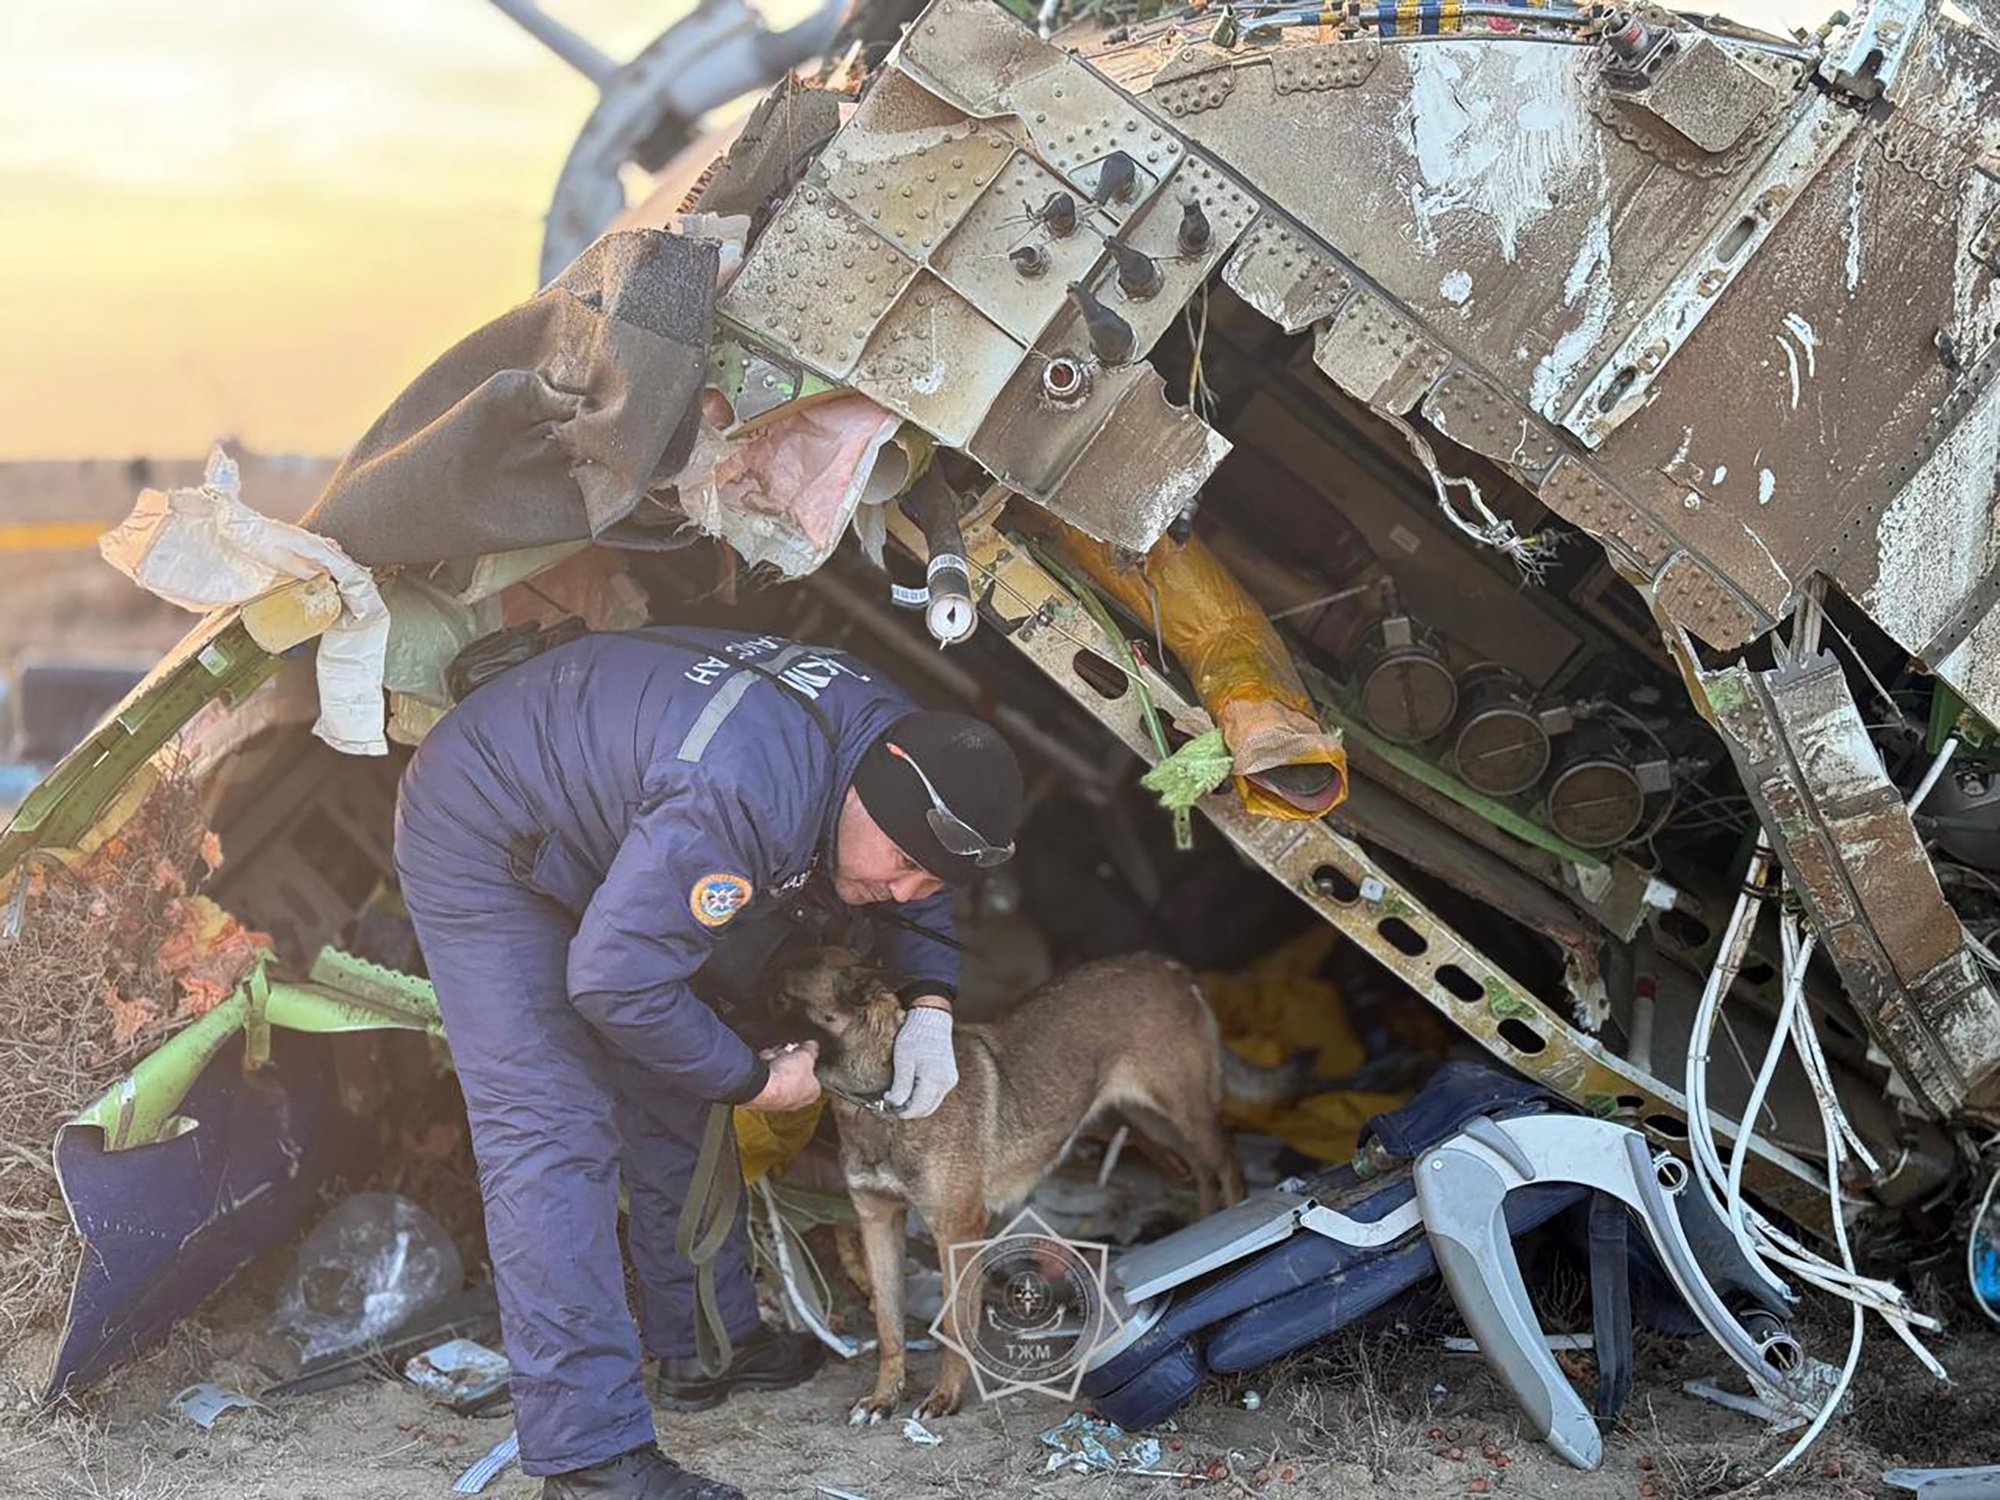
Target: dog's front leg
(960,1224)
(882,1221)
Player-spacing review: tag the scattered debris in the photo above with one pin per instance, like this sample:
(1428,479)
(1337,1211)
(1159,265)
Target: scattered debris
(473,1313)
(1085,1445)
(371,1263)
(207,1403)
(463,1374)
(1564,1343)
(1815,1383)
(89,928)
(201,548)
(915,1432)
(489,1465)
(1947,1484)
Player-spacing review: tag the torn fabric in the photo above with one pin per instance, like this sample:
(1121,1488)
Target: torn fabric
(549,424)
(202,548)
(783,490)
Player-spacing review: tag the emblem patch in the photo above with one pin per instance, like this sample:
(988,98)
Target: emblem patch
(717,898)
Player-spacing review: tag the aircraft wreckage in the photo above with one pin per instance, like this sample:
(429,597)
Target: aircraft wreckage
(1557,449)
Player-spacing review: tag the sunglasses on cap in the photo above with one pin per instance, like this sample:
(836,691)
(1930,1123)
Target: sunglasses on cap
(958,836)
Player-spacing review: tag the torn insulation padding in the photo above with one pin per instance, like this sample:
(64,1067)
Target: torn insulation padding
(1241,670)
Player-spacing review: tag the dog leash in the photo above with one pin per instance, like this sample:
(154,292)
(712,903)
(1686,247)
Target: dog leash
(715,1189)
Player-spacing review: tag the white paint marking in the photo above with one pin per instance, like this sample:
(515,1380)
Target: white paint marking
(1791,359)
(1471,156)
(1589,274)
(1751,532)
(1854,222)
(1808,340)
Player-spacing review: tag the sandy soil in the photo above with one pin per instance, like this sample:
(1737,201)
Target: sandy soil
(1385,1414)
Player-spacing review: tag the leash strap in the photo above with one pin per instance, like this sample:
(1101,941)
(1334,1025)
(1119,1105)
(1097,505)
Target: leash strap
(715,1191)
(1610,1304)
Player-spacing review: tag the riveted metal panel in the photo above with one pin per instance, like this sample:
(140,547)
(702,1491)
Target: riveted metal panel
(1285,276)
(1154,233)
(973,53)
(1378,355)
(1707,95)
(1476,414)
(1030,441)
(1426,176)
(1193,79)
(1577,493)
(1316,67)
(817,282)
(975,258)
(937,360)
(1698,599)
(1139,471)
(1839,826)
(911,166)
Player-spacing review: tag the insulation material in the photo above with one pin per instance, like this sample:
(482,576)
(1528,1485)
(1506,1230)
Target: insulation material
(768,1141)
(202,548)
(784,490)
(1277,1009)
(1241,670)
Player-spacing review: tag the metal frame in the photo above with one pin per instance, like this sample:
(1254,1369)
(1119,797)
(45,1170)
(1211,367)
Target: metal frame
(1382,916)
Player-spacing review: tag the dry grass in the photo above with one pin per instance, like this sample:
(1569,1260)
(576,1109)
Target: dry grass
(84,938)
(1354,1406)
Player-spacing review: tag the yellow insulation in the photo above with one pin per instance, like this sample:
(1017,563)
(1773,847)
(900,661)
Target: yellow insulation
(1239,666)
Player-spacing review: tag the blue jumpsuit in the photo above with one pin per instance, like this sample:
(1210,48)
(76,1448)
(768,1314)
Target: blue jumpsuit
(573,841)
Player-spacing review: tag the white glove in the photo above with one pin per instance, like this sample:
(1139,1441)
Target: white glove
(925,1069)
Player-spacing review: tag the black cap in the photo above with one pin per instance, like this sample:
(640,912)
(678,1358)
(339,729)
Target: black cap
(971,766)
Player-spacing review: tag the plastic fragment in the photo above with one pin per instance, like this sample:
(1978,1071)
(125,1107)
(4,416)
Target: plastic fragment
(1191,772)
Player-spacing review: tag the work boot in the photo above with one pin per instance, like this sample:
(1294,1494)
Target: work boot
(766,1361)
(643,1474)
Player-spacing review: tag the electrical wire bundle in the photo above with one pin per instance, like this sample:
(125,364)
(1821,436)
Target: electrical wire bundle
(1723,1182)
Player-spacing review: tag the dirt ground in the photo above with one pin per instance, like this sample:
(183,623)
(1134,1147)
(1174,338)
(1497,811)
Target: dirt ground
(1386,1413)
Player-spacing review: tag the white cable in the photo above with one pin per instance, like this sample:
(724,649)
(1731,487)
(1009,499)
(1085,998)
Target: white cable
(1724,1185)
(1931,776)
(1729,958)
(1831,1405)
(1795,984)
(1530,554)
(795,1285)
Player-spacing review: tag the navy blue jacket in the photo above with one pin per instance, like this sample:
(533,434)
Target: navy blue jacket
(659,793)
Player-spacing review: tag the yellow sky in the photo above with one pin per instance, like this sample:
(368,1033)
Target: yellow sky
(262,217)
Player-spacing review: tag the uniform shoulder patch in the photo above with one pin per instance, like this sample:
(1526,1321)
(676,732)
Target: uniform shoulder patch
(716,898)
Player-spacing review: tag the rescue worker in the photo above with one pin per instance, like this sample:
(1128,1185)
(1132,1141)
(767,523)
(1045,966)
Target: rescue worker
(590,844)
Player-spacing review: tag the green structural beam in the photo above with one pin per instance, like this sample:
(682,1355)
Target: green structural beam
(345,994)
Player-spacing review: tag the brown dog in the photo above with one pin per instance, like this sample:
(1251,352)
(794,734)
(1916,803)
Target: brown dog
(1132,1034)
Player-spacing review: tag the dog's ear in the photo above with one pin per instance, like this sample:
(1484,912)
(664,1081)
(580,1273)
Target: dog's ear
(858,984)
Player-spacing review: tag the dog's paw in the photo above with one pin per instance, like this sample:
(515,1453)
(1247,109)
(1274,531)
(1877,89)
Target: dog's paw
(939,1403)
(872,1409)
